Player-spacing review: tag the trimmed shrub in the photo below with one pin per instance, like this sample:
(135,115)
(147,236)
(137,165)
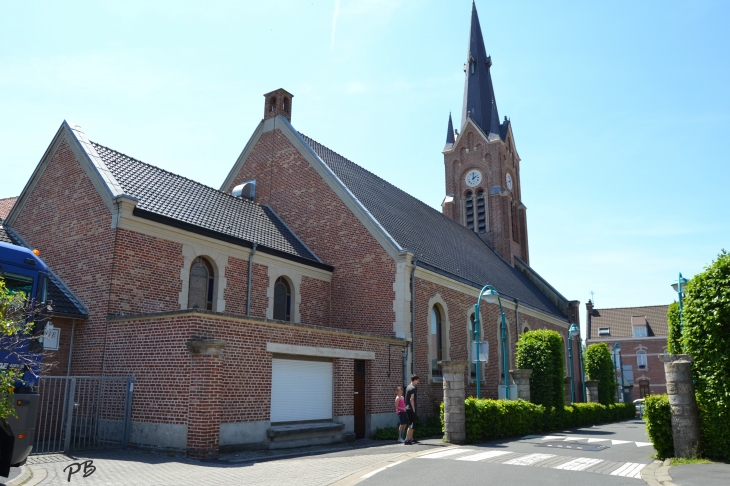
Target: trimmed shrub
(599,366)
(674,341)
(707,338)
(542,352)
(658,416)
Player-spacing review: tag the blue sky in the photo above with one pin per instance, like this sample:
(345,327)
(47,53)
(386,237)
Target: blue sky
(620,110)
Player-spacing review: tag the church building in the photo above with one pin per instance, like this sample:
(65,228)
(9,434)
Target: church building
(285,307)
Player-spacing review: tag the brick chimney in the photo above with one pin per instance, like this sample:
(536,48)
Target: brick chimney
(278,102)
(589,313)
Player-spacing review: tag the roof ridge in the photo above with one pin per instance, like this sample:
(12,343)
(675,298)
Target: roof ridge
(634,307)
(175,175)
(442,215)
(6,198)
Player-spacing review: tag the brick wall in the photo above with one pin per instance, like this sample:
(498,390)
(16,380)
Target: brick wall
(55,363)
(361,287)
(314,307)
(66,219)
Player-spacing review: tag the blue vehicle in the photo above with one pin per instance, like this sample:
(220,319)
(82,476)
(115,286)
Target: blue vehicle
(23,273)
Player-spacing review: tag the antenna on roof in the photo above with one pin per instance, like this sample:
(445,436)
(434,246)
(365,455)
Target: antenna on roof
(593,299)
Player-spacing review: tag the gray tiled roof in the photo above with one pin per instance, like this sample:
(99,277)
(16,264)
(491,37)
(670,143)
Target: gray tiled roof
(62,300)
(183,200)
(436,240)
(618,320)
(6,204)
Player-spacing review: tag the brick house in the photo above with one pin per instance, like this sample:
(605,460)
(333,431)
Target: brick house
(274,311)
(642,334)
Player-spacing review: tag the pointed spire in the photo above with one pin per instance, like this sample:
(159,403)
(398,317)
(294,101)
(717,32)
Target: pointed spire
(479,102)
(450,131)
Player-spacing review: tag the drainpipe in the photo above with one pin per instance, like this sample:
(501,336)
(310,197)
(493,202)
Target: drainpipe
(413,316)
(71,349)
(250,276)
(517,327)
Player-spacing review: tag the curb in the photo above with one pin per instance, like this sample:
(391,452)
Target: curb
(657,474)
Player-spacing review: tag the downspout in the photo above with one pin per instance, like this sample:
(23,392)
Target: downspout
(517,327)
(413,316)
(71,348)
(250,277)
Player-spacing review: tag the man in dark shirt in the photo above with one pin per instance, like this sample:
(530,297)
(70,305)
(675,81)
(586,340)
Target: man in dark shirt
(411,401)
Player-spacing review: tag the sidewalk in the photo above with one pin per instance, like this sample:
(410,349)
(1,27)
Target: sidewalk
(661,474)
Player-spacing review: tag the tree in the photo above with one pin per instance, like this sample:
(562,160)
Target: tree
(542,352)
(599,366)
(16,337)
(706,337)
(674,342)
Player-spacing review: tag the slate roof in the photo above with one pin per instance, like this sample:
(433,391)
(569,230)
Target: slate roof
(619,320)
(6,204)
(63,301)
(436,240)
(182,200)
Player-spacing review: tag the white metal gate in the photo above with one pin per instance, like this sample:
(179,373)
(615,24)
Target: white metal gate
(83,412)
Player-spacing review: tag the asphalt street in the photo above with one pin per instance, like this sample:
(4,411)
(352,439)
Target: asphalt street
(611,454)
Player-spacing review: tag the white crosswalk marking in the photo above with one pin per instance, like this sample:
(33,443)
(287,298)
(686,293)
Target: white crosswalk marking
(483,455)
(590,441)
(623,469)
(635,472)
(529,459)
(446,453)
(373,473)
(614,442)
(579,464)
(643,444)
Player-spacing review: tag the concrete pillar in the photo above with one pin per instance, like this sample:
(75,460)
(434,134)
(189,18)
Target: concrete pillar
(592,390)
(567,392)
(454,414)
(204,412)
(522,380)
(681,391)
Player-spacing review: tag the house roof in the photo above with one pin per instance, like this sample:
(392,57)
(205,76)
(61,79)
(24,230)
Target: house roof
(435,239)
(620,321)
(62,300)
(176,200)
(6,204)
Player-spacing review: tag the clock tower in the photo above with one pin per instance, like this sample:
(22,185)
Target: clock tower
(481,163)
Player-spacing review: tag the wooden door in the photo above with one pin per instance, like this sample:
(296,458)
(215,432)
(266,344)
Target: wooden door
(359,397)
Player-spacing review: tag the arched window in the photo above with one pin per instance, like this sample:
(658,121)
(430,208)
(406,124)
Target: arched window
(272,104)
(641,360)
(469,211)
(282,300)
(644,388)
(436,338)
(481,212)
(285,105)
(200,287)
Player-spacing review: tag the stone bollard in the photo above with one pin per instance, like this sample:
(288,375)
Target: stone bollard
(522,380)
(592,390)
(454,414)
(685,418)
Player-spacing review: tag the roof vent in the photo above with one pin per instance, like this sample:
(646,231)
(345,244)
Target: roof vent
(247,190)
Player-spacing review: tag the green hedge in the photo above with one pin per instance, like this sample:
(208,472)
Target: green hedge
(674,341)
(497,419)
(599,365)
(658,416)
(542,352)
(706,316)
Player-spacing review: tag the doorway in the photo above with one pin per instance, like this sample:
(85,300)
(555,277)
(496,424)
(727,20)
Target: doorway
(359,397)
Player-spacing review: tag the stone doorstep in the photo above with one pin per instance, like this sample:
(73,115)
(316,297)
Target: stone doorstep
(300,429)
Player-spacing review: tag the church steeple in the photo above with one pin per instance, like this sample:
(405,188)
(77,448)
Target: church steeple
(479,102)
(449,135)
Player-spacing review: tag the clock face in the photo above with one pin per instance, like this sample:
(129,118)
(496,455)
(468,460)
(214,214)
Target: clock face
(509,182)
(473,178)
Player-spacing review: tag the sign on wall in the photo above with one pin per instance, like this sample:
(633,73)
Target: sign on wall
(51,337)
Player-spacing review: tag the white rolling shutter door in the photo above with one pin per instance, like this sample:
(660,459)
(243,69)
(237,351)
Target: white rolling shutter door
(301,390)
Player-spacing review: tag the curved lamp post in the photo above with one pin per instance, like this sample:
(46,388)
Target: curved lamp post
(575,332)
(490,294)
(572,332)
(678,287)
(617,365)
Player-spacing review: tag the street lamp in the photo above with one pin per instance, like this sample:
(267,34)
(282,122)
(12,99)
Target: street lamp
(617,365)
(490,294)
(572,332)
(678,287)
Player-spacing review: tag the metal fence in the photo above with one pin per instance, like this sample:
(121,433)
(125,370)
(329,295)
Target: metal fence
(83,412)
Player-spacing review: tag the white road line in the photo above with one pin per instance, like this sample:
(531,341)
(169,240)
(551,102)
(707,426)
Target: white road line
(579,464)
(575,437)
(552,437)
(446,453)
(614,442)
(637,472)
(622,470)
(373,473)
(643,444)
(529,460)
(590,441)
(483,455)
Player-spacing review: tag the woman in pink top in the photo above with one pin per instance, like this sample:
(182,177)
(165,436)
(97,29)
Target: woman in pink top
(400,409)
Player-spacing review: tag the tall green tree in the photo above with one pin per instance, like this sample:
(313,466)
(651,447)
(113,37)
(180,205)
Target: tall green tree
(599,366)
(542,352)
(706,337)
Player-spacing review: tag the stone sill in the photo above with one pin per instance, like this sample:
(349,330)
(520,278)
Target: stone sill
(299,429)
